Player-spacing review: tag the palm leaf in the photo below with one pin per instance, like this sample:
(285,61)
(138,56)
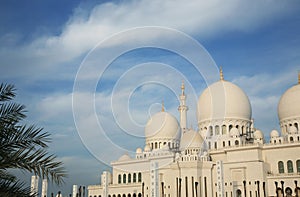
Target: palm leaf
(23,147)
(7,92)
(14,189)
(11,113)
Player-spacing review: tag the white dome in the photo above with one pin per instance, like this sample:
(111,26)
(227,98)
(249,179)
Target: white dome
(289,104)
(139,150)
(234,132)
(162,126)
(223,100)
(274,134)
(147,148)
(293,130)
(124,157)
(258,134)
(191,139)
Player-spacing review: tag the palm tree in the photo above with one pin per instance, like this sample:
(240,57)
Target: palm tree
(23,147)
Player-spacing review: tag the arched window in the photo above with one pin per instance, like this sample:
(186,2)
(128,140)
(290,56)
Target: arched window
(140,177)
(129,178)
(296,125)
(210,131)
(291,139)
(290,166)
(134,177)
(280,167)
(236,142)
(223,143)
(119,195)
(298,165)
(230,127)
(217,130)
(224,129)
(119,178)
(124,178)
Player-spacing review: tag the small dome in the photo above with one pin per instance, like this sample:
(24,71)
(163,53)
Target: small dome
(258,134)
(293,130)
(274,134)
(124,157)
(139,150)
(222,100)
(147,148)
(162,126)
(234,132)
(191,139)
(289,104)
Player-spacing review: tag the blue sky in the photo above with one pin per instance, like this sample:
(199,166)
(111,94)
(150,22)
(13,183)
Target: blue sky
(43,44)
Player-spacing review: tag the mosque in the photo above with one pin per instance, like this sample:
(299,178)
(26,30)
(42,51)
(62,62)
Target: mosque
(226,157)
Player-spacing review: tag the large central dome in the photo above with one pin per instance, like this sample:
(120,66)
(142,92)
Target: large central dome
(223,100)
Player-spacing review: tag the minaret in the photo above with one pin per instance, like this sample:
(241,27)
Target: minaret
(44,188)
(183,109)
(34,185)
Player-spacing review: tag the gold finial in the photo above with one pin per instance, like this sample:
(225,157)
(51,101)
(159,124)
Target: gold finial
(298,77)
(221,74)
(162,106)
(182,87)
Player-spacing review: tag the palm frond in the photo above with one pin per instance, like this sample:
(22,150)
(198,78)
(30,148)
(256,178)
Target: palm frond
(23,147)
(24,137)
(7,92)
(5,175)
(37,161)
(11,113)
(14,189)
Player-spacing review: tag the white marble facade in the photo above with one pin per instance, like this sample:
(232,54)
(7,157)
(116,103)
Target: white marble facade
(227,156)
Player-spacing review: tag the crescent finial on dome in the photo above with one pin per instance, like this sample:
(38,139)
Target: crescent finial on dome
(182,87)
(221,73)
(298,76)
(162,106)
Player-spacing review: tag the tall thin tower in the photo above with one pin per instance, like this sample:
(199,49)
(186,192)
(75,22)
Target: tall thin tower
(44,188)
(75,190)
(34,185)
(183,109)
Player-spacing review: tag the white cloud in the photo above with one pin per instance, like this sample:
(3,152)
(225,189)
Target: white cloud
(205,19)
